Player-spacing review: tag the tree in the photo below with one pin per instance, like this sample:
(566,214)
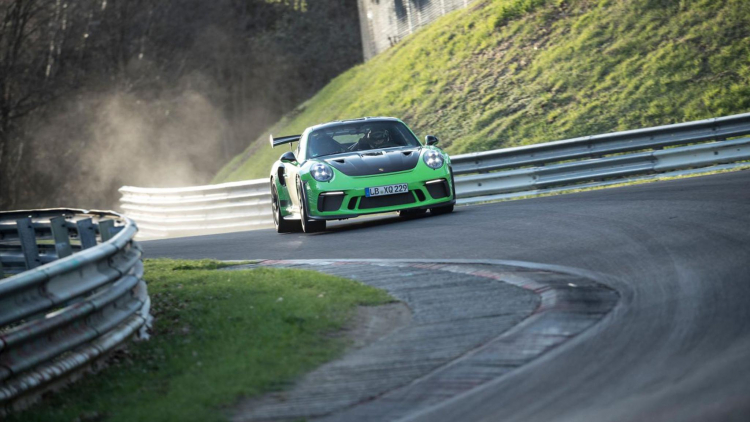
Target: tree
(179,86)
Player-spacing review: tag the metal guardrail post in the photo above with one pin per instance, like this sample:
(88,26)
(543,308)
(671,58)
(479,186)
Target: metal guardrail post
(61,236)
(87,233)
(28,243)
(105,229)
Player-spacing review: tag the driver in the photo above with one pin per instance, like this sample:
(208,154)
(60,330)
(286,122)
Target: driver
(374,139)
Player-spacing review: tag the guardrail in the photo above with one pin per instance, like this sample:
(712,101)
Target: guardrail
(531,169)
(198,210)
(75,292)
(482,176)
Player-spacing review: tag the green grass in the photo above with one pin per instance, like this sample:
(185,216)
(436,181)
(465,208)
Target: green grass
(218,335)
(515,72)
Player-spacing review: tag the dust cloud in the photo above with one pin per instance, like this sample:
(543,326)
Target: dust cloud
(98,143)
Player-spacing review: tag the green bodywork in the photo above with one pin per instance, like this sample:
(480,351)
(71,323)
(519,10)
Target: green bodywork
(284,177)
(354,186)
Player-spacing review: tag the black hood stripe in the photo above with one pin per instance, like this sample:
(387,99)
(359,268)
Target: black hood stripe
(367,163)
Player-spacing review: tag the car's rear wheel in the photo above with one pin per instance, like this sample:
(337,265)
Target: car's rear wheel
(282,226)
(308,225)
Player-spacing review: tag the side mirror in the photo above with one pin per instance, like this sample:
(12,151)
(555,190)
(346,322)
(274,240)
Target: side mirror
(288,157)
(430,140)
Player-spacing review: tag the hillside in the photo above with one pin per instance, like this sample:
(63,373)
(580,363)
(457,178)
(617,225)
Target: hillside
(513,72)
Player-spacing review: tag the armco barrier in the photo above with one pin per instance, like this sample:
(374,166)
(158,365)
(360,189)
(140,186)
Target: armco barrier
(479,187)
(75,292)
(597,146)
(198,210)
(594,160)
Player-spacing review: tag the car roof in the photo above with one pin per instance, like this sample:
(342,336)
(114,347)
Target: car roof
(361,119)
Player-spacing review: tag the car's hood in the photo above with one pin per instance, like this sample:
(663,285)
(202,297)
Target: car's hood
(365,163)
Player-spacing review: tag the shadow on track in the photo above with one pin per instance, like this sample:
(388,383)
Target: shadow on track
(365,222)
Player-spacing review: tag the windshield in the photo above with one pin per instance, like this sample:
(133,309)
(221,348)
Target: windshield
(359,136)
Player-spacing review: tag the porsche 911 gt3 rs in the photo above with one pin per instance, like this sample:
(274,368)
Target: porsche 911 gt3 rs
(349,168)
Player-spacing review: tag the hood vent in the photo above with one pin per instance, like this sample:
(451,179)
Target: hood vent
(375,162)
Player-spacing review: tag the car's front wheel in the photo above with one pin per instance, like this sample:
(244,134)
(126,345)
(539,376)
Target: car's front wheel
(282,226)
(308,225)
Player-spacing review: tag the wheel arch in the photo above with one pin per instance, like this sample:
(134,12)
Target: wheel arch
(282,193)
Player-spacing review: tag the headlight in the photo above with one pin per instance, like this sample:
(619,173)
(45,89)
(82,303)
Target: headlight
(321,172)
(433,159)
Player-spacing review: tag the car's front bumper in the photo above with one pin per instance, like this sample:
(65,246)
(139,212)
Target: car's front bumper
(346,198)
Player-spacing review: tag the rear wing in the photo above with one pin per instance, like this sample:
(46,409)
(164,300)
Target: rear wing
(283,140)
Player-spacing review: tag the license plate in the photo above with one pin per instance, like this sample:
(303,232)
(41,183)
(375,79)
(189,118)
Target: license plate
(387,190)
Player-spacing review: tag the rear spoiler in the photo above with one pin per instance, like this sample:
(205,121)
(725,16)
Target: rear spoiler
(283,140)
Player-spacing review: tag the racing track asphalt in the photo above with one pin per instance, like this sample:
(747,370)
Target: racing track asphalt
(675,348)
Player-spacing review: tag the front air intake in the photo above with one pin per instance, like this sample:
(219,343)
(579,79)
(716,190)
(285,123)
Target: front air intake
(386,200)
(438,189)
(328,203)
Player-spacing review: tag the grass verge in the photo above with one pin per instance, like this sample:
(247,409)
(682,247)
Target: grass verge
(218,335)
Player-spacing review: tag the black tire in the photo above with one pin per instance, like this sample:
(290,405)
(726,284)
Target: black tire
(282,226)
(412,213)
(308,225)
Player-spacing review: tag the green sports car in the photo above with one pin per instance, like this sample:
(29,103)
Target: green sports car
(349,168)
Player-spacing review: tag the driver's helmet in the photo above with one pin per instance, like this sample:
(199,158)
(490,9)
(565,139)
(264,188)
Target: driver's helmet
(378,137)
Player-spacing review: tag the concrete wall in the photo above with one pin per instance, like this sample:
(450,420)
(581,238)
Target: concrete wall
(385,22)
